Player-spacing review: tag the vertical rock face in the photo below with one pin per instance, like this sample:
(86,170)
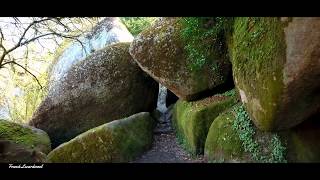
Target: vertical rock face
(276,69)
(109,31)
(118,141)
(108,85)
(160,51)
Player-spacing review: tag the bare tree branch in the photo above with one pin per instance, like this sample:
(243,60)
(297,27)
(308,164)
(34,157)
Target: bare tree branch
(15,63)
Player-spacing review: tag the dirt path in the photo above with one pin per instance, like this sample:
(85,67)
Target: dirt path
(165,148)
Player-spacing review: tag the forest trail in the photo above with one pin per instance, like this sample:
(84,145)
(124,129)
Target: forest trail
(165,148)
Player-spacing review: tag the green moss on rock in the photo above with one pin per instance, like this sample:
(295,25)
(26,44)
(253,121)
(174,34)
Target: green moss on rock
(258,57)
(223,143)
(117,141)
(276,69)
(192,120)
(164,53)
(232,138)
(107,85)
(25,135)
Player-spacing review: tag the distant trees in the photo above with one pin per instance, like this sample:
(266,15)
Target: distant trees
(18,34)
(27,47)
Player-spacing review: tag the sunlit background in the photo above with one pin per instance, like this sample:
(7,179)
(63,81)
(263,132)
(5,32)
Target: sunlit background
(20,93)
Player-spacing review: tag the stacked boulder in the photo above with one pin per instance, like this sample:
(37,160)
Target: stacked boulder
(105,86)
(98,110)
(275,68)
(161,52)
(276,63)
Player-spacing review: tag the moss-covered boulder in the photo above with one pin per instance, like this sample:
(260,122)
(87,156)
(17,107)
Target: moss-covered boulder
(233,138)
(223,143)
(11,152)
(179,55)
(117,141)
(108,85)
(25,135)
(276,69)
(192,120)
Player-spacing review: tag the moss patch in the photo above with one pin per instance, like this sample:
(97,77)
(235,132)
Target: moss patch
(32,138)
(192,120)
(117,141)
(202,36)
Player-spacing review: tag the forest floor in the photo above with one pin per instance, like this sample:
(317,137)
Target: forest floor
(165,148)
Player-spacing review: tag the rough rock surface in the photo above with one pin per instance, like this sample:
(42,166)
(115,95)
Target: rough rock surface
(159,51)
(109,31)
(118,141)
(276,69)
(107,86)
(25,135)
(11,152)
(224,145)
(192,120)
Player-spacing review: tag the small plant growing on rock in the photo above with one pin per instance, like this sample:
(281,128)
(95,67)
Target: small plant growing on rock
(202,36)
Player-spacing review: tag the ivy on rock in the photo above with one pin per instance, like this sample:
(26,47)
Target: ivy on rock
(275,152)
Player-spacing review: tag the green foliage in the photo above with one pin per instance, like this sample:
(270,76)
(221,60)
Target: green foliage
(137,24)
(230,93)
(202,36)
(246,131)
(278,150)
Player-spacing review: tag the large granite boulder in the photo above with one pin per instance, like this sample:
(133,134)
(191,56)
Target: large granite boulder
(276,69)
(108,31)
(108,85)
(164,54)
(117,141)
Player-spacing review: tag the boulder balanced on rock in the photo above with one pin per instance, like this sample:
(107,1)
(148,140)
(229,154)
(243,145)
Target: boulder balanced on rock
(161,52)
(108,85)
